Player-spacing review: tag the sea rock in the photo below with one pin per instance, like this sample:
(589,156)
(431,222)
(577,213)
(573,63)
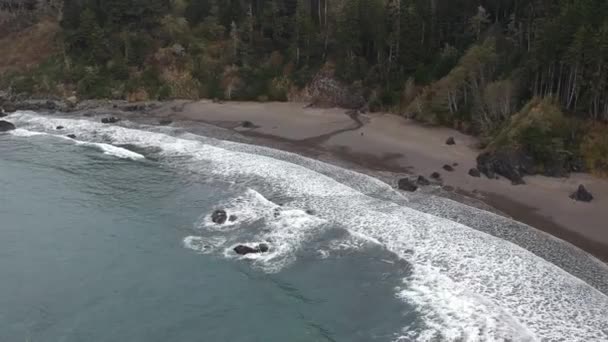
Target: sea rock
(406,184)
(310,212)
(263,248)
(510,164)
(244,250)
(219,216)
(165,122)
(9,107)
(422,181)
(71,136)
(436,175)
(59,127)
(451,141)
(247,124)
(232,218)
(448,168)
(474,173)
(110,120)
(582,195)
(6,126)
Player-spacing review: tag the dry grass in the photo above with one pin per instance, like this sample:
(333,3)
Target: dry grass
(29,47)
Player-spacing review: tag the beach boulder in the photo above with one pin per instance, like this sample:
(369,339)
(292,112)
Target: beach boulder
(474,173)
(436,176)
(422,181)
(6,126)
(247,124)
(244,250)
(450,141)
(448,168)
(406,184)
(165,122)
(582,195)
(219,216)
(71,136)
(512,165)
(59,128)
(110,120)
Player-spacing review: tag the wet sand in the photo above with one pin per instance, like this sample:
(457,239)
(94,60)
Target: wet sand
(386,142)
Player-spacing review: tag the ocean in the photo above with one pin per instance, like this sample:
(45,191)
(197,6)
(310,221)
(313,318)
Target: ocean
(108,236)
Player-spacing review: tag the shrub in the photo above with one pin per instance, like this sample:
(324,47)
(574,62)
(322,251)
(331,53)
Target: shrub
(594,149)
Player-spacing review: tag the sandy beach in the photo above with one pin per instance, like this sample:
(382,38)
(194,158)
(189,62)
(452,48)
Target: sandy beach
(386,142)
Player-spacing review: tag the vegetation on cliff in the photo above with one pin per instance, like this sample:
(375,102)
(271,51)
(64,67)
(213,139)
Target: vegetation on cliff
(470,64)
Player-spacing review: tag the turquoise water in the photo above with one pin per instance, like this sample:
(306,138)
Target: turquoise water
(108,238)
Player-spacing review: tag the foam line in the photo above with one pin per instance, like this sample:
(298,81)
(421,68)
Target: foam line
(466,284)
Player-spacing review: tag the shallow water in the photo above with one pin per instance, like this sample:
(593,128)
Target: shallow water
(108,237)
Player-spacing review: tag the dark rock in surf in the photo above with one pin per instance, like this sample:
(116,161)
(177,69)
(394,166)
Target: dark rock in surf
(448,168)
(110,120)
(247,124)
(71,136)
(310,212)
(474,173)
(406,184)
(422,181)
(9,107)
(244,250)
(219,216)
(232,218)
(451,141)
(165,122)
(436,176)
(6,126)
(455,164)
(582,195)
(59,127)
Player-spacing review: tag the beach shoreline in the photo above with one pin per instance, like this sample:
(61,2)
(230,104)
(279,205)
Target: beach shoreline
(391,146)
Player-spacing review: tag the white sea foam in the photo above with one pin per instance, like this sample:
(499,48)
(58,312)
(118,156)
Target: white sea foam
(103,147)
(20,132)
(468,286)
(203,245)
(113,150)
(285,229)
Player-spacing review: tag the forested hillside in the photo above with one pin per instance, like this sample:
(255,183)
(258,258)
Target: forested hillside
(532,72)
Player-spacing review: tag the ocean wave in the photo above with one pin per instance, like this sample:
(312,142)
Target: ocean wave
(103,147)
(468,285)
(285,230)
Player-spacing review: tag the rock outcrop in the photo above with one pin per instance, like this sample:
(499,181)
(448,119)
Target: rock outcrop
(219,216)
(582,194)
(474,173)
(406,184)
(6,126)
(244,250)
(422,181)
(510,164)
(451,141)
(110,120)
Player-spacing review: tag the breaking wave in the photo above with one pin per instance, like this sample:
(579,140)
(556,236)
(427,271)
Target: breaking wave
(466,285)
